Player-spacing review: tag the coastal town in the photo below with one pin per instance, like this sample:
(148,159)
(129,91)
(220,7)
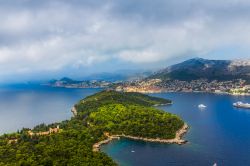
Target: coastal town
(234,87)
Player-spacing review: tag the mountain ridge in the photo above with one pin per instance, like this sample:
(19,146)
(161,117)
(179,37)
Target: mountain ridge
(199,68)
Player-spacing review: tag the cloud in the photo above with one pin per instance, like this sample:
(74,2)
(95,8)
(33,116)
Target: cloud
(51,35)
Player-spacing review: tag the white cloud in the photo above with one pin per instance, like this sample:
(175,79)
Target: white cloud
(141,56)
(52,35)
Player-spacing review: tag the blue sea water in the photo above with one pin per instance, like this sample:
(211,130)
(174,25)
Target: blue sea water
(30,105)
(218,134)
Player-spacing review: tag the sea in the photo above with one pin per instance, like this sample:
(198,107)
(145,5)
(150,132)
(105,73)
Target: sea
(218,134)
(27,105)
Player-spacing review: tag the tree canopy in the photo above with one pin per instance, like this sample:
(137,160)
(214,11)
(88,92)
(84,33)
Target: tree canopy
(107,111)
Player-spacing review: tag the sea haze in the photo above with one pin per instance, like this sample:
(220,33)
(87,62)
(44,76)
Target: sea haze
(218,134)
(29,105)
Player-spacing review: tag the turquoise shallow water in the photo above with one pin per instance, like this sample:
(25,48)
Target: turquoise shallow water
(219,134)
(29,105)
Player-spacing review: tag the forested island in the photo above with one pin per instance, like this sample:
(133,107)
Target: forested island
(97,117)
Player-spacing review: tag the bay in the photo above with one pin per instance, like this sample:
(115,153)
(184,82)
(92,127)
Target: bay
(26,105)
(218,134)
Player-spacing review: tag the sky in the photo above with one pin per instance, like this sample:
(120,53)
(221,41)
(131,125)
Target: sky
(42,39)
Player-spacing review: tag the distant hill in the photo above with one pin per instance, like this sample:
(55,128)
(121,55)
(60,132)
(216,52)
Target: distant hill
(120,75)
(69,80)
(199,68)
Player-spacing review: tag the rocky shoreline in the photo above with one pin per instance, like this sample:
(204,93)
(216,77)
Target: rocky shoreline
(166,91)
(177,140)
(157,105)
(74,111)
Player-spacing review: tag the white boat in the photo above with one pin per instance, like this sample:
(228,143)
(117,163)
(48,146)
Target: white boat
(132,151)
(240,104)
(215,164)
(201,106)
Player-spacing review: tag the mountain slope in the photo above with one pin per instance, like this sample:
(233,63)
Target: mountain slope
(199,68)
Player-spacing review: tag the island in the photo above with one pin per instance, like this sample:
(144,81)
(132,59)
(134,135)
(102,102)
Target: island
(97,120)
(70,83)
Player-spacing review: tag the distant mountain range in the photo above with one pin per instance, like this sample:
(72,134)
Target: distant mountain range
(70,83)
(121,75)
(199,68)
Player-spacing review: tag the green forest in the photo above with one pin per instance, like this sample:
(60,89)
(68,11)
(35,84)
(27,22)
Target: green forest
(106,111)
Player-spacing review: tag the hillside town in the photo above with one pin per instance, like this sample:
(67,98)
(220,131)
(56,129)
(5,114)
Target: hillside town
(234,87)
(149,86)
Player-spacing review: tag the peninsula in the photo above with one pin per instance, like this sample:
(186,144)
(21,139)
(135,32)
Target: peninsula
(97,120)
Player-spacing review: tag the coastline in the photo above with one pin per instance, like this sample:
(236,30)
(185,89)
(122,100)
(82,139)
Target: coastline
(177,140)
(157,105)
(152,91)
(218,93)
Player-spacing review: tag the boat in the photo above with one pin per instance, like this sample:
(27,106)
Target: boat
(201,106)
(132,151)
(215,164)
(240,104)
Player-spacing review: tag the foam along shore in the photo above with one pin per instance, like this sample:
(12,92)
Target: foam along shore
(177,140)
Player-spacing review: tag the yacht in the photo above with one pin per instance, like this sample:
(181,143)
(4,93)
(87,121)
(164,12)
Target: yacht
(240,104)
(201,106)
